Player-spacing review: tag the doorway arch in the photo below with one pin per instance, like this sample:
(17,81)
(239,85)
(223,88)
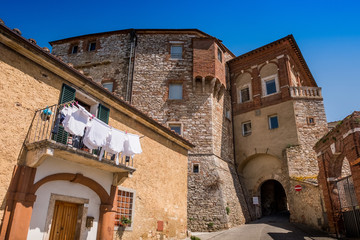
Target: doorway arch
(273,198)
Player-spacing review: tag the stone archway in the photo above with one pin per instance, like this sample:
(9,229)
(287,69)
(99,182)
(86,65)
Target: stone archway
(273,198)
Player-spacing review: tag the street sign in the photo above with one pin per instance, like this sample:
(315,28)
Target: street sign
(298,188)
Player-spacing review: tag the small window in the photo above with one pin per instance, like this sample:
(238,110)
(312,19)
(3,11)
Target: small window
(176,51)
(74,49)
(219,54)
(246,129)
(125,208)
(175,91)
(176,127)
(273,122)
(228,114)
(109,86)
(245,94)
(270,87)
(310,120)
(196,168)
(92,46)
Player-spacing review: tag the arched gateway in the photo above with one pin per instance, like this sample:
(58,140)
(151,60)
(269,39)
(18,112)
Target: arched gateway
(273,198)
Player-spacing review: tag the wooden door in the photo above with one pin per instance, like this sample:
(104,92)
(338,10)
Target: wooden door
(63,224)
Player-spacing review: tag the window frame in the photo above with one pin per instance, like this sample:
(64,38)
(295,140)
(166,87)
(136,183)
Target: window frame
(180,124)
(267,79)
(192,168)
(308,120)
(240,94)
(269,121)
(182,90)
(219,55)
(243,130)
(77,49)
(175,44)
(89,46)
(128,228)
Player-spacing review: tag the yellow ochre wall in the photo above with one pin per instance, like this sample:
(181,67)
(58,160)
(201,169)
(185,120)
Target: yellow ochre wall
(160,179)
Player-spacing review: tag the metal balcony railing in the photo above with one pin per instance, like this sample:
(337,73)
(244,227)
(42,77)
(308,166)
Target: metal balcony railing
(42,128)
(305,92)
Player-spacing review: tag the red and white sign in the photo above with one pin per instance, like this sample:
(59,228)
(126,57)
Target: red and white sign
(298,188)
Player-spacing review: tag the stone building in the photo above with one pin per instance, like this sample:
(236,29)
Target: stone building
(338,155)
(58,190)
(180,78)
(278,116)
(253,119)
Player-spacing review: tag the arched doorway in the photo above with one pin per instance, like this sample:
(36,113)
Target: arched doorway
(273,198)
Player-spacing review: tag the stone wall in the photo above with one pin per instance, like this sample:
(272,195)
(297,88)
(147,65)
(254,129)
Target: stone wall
(201,112)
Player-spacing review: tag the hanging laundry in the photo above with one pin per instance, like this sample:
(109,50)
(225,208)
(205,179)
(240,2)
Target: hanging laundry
(96,134)
(77,122)
(132,145)
(115,143)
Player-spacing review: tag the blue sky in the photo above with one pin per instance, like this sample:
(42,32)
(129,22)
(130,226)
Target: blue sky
(327,32)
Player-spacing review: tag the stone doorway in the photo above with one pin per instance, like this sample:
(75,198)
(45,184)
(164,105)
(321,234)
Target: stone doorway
(273,198)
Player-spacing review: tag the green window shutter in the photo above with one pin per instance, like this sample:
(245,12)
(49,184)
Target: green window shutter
(67,95)
(103,113)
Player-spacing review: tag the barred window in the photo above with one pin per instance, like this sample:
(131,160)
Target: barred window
(125,207)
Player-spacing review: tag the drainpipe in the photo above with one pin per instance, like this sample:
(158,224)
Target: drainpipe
(129,83)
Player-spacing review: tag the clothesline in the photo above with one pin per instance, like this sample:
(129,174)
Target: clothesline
(97,134)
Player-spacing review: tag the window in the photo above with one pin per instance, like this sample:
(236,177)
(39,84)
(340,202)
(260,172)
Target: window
(74,49)
(175,91)
(176,127)
(245,94)
(219,54)
(125,206)
(109,86)
(196,168)
(310,120)
(246,128)
(92,46)
(228,114)
(273,122)
(176,51)
(270,85)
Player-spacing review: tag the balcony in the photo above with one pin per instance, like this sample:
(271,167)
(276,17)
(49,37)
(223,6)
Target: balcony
(41,143)
(305,92)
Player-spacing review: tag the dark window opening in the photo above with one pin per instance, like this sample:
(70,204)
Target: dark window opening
(74,49)
(176,128)
(219,54)
(196,168)
(92,46)
(245,95)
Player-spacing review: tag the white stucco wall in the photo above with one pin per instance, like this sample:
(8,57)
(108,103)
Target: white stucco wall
(40,210)
(53,165)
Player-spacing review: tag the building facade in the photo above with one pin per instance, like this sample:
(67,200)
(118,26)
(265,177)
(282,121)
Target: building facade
(278,117)
(253,119)
(55,189)
(180,78)
(338,156)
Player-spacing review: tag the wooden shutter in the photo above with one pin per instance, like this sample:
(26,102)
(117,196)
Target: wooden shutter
(67,95)
(103,113)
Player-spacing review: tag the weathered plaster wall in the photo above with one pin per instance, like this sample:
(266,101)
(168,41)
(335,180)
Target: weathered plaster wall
(24,87)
